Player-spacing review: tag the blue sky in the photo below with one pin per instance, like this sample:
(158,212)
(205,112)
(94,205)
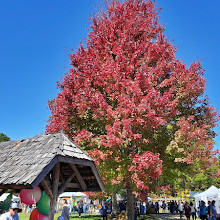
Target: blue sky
(37,36)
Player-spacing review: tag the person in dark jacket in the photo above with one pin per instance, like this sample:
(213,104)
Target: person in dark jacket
(203,211)
(121,206)
(187,210)
(156,207)
(172,207)
(80,208)
(104,211)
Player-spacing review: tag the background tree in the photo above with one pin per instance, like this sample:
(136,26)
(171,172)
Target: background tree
(4,137)
(131,104)
(101,196)
(201,179)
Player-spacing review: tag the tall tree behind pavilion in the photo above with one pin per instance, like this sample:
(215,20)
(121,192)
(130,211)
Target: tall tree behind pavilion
(131,104)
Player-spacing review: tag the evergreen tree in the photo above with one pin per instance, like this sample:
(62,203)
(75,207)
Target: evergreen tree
(4,137)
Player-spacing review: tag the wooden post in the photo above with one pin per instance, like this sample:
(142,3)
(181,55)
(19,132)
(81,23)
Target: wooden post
(55,185)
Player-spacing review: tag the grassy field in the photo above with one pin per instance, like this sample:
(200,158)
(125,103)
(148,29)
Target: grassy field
(75,217)
(147,217)
(84,217)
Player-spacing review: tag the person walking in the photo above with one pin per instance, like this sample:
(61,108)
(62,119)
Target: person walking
(104,211)
(176,207)
(172,207)
(193,210)
(163,206)
(209,204)
(80,208)
(213,214)
(65,215)
(84,208)
(142,209)
(203,211)
(180,208)
(187,210)
(72,209)
(156,206)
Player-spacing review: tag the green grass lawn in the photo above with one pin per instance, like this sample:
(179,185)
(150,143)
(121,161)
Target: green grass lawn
(75,217)
(88,216)
(84,217)
(147,217)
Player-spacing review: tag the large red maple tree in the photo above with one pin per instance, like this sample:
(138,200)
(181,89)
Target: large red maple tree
(130,102)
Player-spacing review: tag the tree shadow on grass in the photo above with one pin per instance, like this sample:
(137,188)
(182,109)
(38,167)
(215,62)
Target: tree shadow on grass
(92,217)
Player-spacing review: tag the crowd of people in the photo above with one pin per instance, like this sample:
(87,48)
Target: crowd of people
(208,212)
(190,210)
(73,207)
(203,211)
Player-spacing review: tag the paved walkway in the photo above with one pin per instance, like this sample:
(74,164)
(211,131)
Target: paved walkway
(167,216)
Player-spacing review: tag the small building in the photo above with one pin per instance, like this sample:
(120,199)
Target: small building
(52,162)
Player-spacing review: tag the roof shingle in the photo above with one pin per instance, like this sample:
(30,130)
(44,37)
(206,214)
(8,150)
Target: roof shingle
(21,161)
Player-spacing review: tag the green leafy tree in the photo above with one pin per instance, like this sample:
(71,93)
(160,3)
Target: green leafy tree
(4,137)
(201,179)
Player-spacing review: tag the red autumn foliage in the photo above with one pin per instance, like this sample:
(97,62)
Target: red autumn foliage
(126,92)
(101,196)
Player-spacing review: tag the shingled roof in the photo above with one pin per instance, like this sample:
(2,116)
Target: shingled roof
(25,163)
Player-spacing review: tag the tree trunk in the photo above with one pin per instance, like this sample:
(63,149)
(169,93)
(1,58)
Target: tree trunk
(130,203)
(114,203)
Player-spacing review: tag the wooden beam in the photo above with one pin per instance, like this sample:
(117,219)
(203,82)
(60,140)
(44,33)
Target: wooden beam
(78,176)
(70,185)
(66,183)
(75,161)
(73,185)
(47,189)
(98,178)
(16,187)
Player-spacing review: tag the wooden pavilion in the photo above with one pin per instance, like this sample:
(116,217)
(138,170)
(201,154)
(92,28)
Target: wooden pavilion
(52,162)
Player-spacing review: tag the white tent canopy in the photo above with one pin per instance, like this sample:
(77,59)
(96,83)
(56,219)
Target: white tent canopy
(4,196)
(210,194)
(72,194)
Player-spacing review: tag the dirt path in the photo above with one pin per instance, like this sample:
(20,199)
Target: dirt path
(167,216)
